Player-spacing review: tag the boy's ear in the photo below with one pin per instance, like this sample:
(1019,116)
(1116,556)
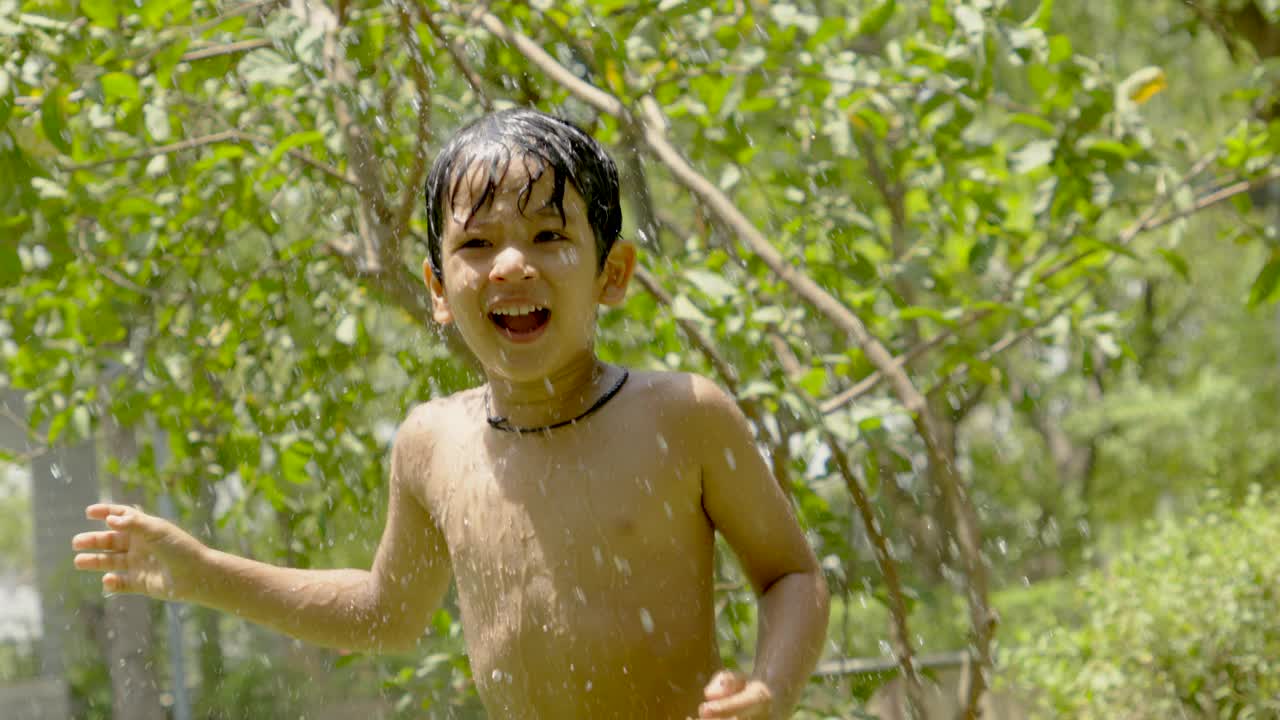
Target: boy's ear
(439,306)
(618,268)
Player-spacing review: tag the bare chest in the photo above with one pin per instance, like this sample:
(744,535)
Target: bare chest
(571,503)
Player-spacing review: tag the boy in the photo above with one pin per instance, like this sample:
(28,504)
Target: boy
(575,503)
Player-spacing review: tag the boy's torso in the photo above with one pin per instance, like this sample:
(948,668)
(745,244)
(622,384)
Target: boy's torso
(583,557)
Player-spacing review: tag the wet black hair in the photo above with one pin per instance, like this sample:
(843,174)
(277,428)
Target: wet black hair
(544,142)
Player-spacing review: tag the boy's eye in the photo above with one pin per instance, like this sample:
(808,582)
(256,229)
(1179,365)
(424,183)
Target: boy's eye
(548,236)
(475,243)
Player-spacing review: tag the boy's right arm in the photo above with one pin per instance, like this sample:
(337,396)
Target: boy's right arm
(385,608)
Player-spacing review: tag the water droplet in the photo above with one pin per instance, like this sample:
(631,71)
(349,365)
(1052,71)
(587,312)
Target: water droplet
(646,620)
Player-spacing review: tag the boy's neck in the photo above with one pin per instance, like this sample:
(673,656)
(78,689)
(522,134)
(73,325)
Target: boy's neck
(560,396)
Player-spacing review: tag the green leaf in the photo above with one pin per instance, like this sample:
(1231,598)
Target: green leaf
(120,86)
(683,309)
(1036,122)
(1264,286)
(874,21)
(712,285)
(296,140)
(293,461)
(101,12)
(1110,150)
(52,120)
(1035,154)
(813,381)
(916,311)
(268,67)
(134,205)
(6,97)
(1042,16)
(1177,262)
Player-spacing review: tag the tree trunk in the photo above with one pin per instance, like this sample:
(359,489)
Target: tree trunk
(130,636)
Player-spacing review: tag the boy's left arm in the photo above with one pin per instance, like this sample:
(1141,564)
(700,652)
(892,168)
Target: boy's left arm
(746,505)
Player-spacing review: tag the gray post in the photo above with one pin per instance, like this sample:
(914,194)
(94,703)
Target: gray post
(63,482)
(173,611)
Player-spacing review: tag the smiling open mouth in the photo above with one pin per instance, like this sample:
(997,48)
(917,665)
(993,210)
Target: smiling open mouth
(521,322)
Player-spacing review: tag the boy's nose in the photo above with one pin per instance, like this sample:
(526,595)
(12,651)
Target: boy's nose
(511,264)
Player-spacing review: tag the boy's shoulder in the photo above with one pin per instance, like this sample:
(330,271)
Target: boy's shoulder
(679,390)
(428,422)
(687,403)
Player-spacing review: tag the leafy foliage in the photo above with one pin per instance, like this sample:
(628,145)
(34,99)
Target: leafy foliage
(1183,624)
(211,224)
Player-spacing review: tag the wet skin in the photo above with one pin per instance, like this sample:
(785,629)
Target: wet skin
(583,564)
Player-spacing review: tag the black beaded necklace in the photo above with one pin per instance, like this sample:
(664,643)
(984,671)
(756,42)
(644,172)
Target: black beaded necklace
(498,422)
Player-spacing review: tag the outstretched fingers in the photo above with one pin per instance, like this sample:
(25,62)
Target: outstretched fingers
(109,541)
(100,562)
(101,511)
(125,518)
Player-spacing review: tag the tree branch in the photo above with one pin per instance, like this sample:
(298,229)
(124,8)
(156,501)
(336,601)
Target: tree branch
(228,49)
(477,86)
(226,136)
(373,221)
(422,84)
(581,89)
(899,633)
(704,344)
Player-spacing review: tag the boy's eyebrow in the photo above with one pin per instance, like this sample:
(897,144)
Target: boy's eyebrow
(546,211)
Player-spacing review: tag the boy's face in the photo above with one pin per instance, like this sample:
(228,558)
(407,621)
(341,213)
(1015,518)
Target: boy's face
(522,287)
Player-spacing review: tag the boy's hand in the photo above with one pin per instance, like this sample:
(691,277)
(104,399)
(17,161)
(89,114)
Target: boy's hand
(734,695)
(140,553)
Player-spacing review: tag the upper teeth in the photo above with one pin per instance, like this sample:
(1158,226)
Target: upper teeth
(517,310)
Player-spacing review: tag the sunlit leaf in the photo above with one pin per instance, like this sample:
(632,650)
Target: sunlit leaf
(1266,283)
(874,20)
(53,121)
(120,86)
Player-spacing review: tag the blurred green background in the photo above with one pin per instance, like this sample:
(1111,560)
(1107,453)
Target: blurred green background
(1060,218)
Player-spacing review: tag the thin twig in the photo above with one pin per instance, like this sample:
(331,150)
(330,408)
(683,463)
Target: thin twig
(226,136)
(229,49)
(473,79)
(704,344)
(422,84)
